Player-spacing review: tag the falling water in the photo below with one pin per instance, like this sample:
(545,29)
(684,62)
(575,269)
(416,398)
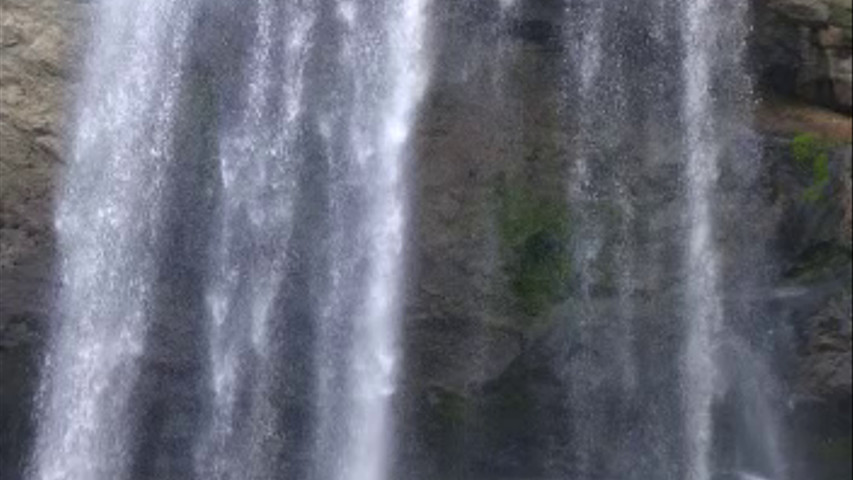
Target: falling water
(235,222)
(713,34)
(258,168)
(584,192)
(624,65)
(293,127)
(388,35)
(109,229)
(703,294)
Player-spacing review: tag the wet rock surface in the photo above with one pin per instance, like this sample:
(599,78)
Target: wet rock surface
(803,48)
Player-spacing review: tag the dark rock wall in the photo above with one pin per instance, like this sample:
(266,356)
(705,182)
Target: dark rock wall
(803,48)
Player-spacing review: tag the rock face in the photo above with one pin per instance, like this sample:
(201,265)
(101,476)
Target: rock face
(489,149)
(803,48)
(812,244)
(823,412)
(35,82)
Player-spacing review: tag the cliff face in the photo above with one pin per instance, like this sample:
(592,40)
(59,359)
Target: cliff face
(491,156)
(812,298)
(802,51)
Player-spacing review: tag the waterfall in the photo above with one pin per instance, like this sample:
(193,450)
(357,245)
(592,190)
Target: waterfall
(259,158)
(652,94)
(275,263)
(307,115)
(713,36)
(703,300)
(109,225)
(586,195)
(367,259)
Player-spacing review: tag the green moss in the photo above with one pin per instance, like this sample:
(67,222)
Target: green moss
(534,234)
(812,155)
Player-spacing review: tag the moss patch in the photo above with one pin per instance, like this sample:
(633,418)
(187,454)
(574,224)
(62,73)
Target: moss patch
(812,155)
(534,237)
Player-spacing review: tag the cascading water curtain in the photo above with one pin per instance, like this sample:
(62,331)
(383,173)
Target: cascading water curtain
(381,65)
(234,221)
(714,38)
(232,230)
(109,227)
(655,95)
(703,262)
(258,168)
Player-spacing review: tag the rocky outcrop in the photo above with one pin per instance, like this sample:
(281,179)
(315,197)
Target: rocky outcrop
(822,416)
(803,48)
(813,245)
(35,81)
(826,372)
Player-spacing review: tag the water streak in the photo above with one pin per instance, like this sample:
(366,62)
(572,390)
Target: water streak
(703,297)
(258,166)
(109,226)
(385,61)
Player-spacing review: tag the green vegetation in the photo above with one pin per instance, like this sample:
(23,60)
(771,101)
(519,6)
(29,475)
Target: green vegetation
(534,233)
(812,155)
